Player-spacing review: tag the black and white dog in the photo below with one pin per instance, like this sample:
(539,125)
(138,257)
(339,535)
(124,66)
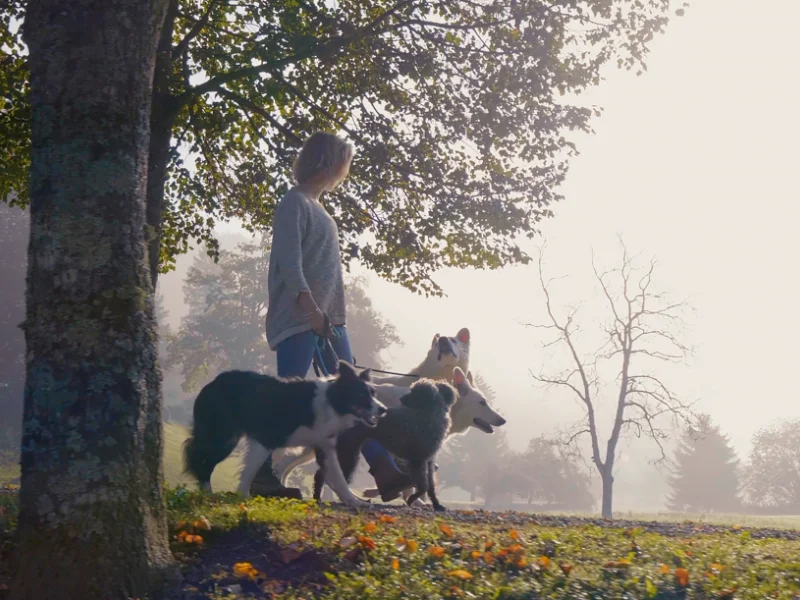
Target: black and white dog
(279,413)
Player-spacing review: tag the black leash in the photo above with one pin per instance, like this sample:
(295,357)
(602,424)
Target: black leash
(382,372)
(318,362)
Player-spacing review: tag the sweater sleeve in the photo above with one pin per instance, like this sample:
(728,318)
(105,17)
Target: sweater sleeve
(288,227)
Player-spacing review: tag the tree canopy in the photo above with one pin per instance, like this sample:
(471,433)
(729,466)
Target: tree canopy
(773,472)
(460,112)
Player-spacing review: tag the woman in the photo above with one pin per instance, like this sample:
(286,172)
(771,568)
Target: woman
(306,289)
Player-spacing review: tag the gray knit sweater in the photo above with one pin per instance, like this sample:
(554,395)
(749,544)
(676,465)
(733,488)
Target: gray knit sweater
(304,258)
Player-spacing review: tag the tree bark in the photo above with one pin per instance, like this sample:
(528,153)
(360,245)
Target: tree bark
(162,121)
(93,517)
(608,494)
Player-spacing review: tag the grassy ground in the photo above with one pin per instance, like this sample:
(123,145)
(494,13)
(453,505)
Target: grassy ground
(296,550)
(228,548)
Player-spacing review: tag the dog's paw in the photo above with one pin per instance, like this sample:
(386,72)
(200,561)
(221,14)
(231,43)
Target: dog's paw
(371,493)
(420,503)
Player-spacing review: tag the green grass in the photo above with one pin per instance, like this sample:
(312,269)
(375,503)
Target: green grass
(224,476)
(406,555)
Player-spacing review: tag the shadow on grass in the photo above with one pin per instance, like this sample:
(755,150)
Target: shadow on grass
(209,572)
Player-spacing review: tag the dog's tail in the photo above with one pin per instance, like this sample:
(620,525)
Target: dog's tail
(193,458)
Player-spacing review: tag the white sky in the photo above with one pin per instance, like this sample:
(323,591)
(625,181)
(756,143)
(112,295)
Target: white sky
(693,162)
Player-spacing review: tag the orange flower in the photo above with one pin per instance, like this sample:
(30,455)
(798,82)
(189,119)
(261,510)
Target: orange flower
(445,529)
(370,527)
(488,545)
(202,523)
(514,534)
(455,591)
(682,577)
(544,561)
(245,569)
(412,545)
(521,562)
(395,564)
(388,519)
(488,558)
(566,568)
(460,574)
(475,554)
(664,569)
(436,551)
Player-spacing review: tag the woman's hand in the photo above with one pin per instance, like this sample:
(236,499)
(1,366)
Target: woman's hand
(320,324)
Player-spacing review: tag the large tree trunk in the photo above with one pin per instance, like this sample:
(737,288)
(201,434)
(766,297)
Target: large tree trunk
(93,517)
(608,493)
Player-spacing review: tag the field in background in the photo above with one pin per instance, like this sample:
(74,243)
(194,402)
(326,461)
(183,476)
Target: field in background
(224,479)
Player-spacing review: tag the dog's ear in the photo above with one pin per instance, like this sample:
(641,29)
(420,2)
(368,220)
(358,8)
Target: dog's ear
(469,378)
(435,340)
(463,336)
(346,370)
(365,375)
(460,381)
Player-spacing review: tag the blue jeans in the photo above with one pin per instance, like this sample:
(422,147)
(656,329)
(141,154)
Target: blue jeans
(295,355)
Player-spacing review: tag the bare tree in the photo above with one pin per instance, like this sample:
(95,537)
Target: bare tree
(640,330)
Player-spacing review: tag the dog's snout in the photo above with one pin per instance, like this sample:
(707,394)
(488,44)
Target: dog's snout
(500,422)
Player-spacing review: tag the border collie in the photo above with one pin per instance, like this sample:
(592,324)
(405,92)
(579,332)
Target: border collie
(279,413)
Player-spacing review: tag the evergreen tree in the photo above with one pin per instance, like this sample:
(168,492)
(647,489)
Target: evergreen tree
(706,477)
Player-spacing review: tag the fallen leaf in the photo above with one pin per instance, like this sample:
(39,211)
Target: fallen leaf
(456,591)
(488,545)
(460,574)
(354,554)
(716,567)
(290,555)
(566,568)
(737,527)
(395,564)
(682,577)
(445,529)
(436,551)
(370,527)
(367,543)
(387,519)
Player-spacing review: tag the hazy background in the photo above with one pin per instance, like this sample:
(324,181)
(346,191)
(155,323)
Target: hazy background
(692,163)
